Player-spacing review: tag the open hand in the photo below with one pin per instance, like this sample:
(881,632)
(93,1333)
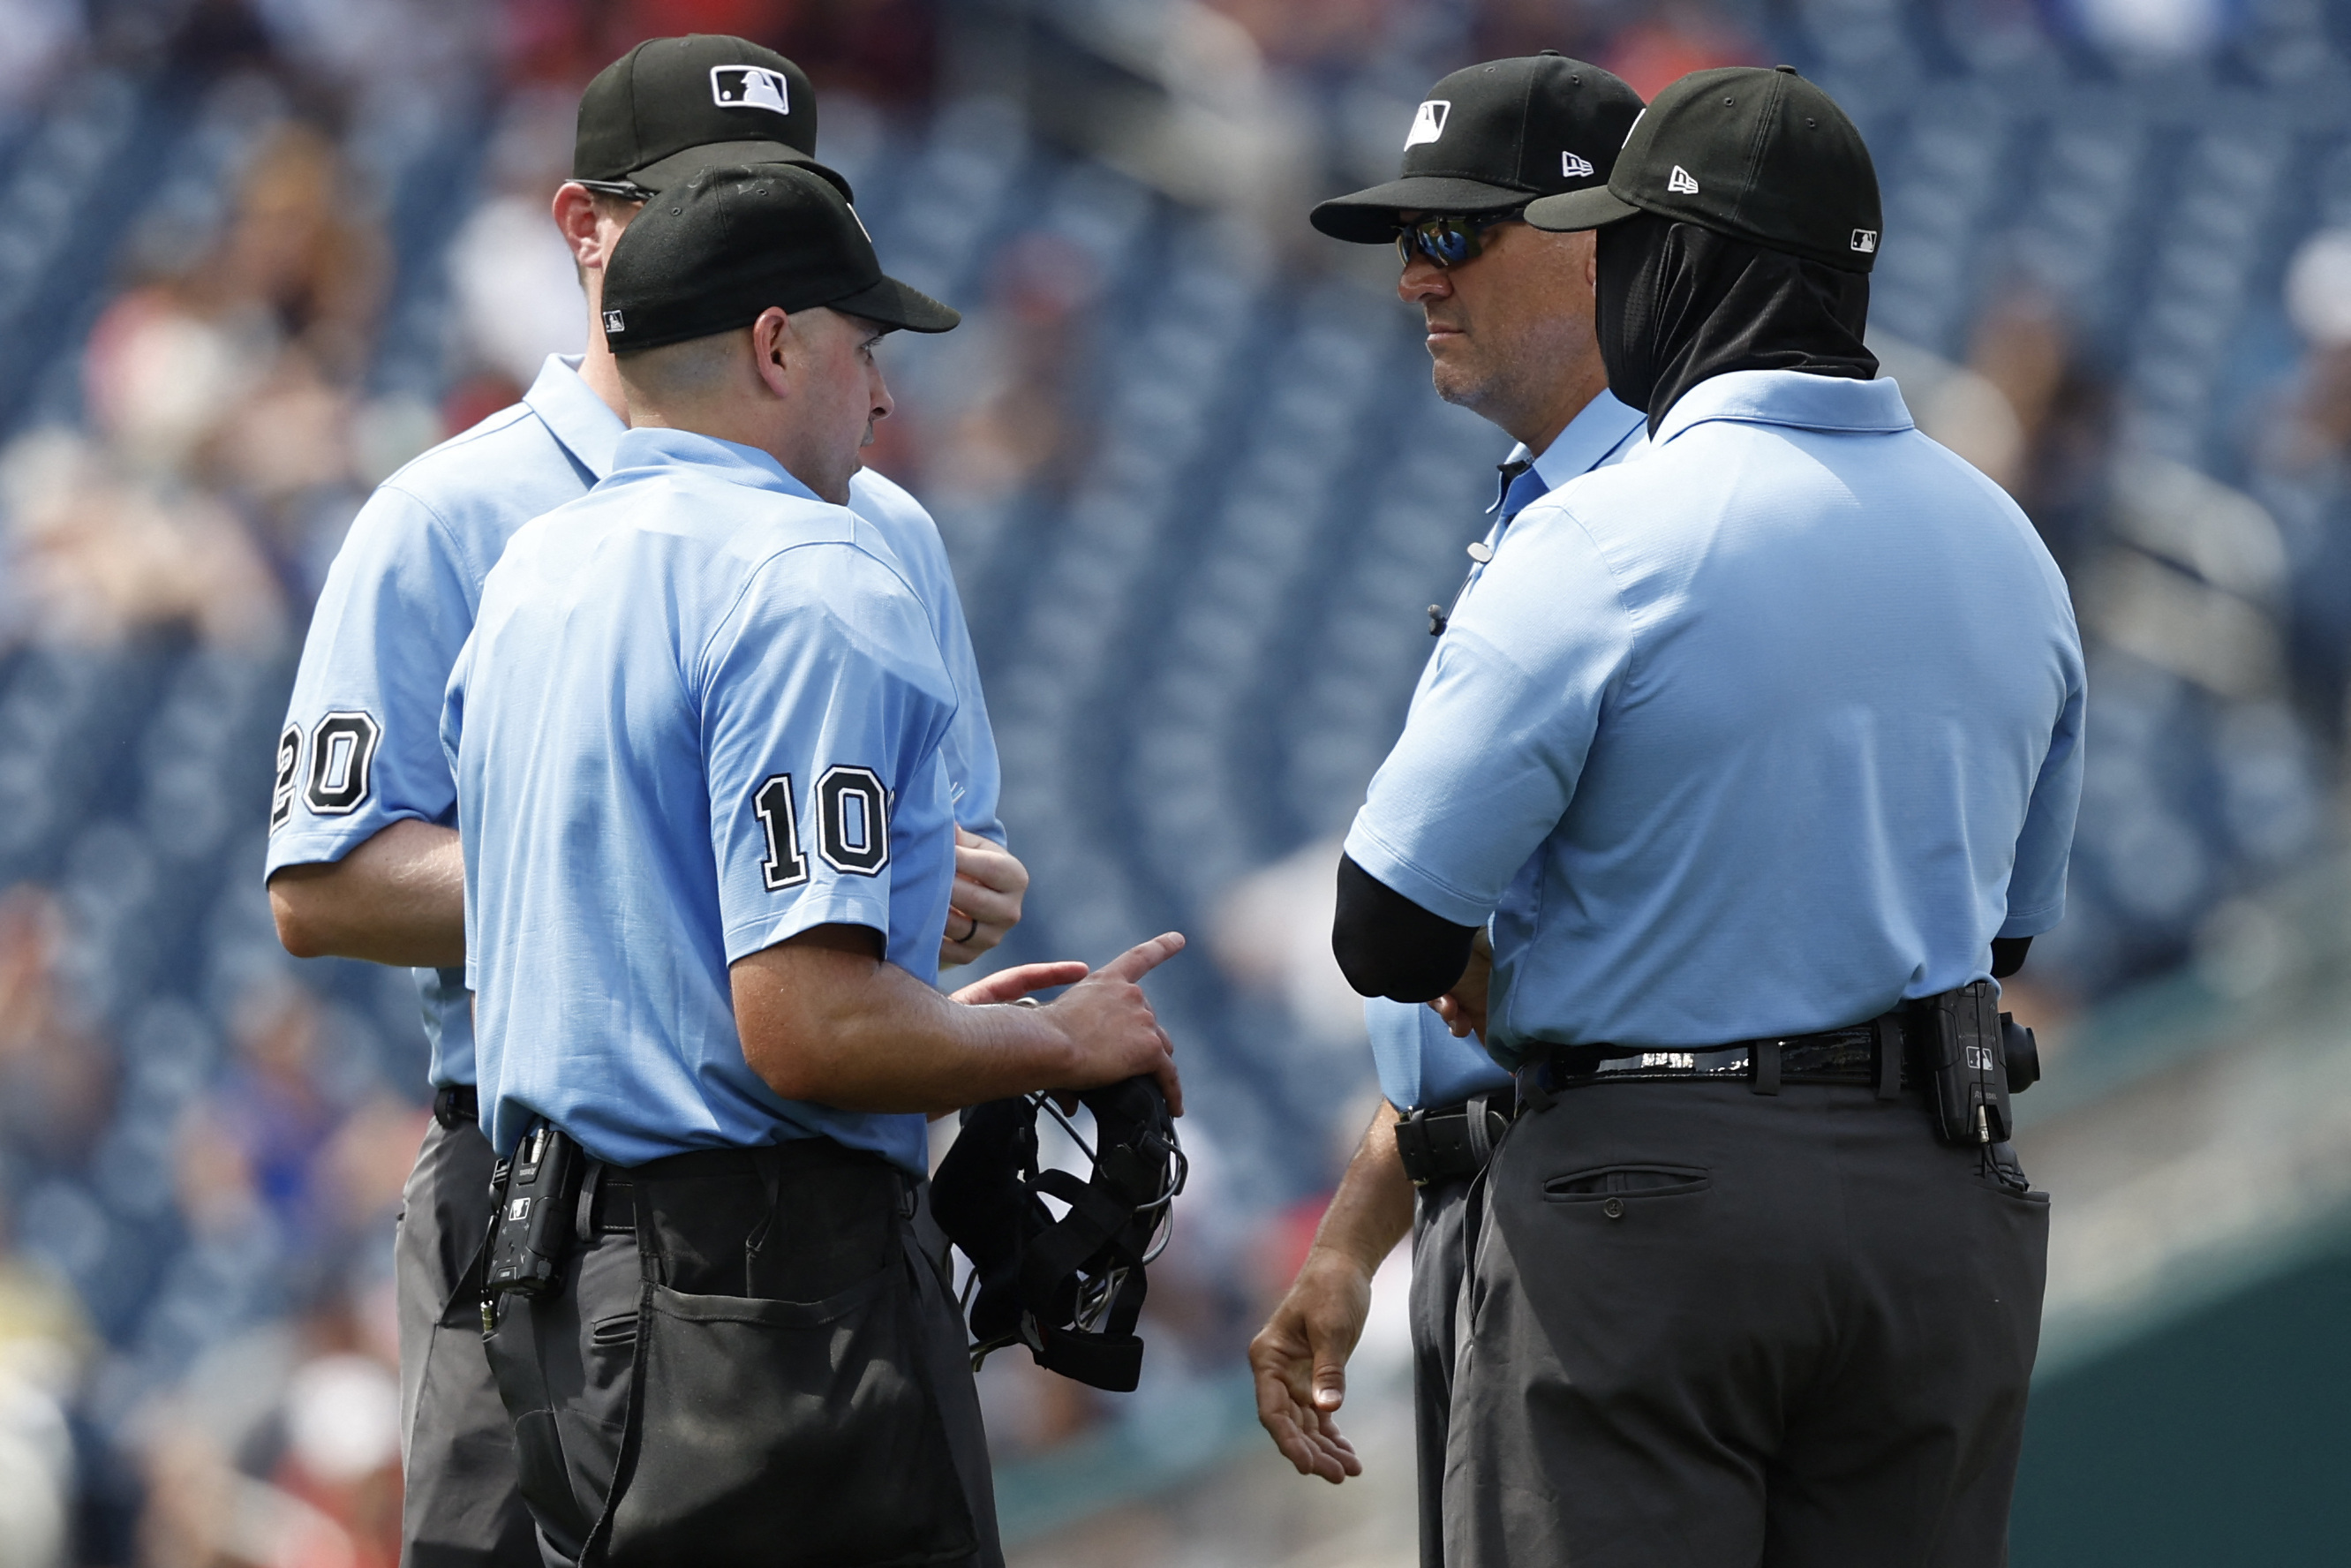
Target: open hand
(1300,1363)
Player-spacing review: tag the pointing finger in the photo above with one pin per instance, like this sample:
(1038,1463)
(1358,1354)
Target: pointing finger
(1144,957)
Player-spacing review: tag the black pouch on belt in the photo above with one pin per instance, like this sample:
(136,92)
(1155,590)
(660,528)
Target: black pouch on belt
(1957,1040)
(530,1235)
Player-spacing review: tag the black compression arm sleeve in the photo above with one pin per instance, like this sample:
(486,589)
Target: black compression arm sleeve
(2008,955)
(1387,946)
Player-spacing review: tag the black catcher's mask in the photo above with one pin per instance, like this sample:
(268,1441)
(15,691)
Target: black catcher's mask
(1069,1289)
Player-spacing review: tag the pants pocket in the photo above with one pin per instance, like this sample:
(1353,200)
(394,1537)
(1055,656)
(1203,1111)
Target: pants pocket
(1603,1182)
(788,1435)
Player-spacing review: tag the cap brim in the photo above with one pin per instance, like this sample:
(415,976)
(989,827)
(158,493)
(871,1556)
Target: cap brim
(1369,217)
(1572,211)
(681,167)
(892,304)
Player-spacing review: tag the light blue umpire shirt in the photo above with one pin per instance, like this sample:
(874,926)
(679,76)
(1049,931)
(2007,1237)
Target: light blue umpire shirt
(360,749)
(701,711)
(1759,733)
(1420,1063)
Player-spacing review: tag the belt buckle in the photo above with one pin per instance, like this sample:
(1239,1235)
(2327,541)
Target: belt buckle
(1412,1145)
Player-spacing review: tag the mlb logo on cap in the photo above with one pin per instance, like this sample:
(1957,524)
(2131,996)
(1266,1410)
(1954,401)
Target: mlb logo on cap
(1489,138)
(613,322)
(750,87)
(1864,240)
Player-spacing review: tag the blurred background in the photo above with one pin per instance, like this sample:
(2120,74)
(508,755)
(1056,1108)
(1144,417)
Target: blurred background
(255,253)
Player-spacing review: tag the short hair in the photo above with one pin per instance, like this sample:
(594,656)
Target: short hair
(607,205)
(687,370)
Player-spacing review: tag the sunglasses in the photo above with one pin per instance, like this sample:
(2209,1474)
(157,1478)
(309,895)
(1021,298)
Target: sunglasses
(626,190)
(1448,239)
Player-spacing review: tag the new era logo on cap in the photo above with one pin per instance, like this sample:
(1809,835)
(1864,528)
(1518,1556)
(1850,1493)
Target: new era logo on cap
(613,322)
(1679,181)
(1428,123)
(750,87)
(1864,240)
(1573,167)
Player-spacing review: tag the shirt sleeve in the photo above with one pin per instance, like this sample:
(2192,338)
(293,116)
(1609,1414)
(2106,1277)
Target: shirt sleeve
(824,703)
(975,777)
(2036,884)
(1501,725)
(360,747)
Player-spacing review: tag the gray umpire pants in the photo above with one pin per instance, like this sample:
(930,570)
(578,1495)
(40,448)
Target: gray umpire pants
(1439,1263)
(459,1507)
(765,1367)
(1707,1328)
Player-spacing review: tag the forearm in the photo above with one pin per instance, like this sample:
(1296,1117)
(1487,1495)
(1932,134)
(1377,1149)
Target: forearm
(851,1031)
(1371,1211)
(399,898)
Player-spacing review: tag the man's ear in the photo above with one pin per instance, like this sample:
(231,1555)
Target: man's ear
(575,217)
(773,343)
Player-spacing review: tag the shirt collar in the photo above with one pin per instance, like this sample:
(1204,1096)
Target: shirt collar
(1790,397)
(1603,426)
(650,447)
(578,417)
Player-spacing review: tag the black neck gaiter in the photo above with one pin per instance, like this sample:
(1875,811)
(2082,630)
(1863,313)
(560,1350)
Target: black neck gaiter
(1677,304)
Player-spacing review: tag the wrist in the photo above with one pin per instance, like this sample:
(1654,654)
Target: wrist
(1059,1056)
(1341,1258)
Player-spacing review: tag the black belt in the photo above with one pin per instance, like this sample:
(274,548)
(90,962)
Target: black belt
(455,1104)
(1452,1141)
(1869,1056)
(609,1204)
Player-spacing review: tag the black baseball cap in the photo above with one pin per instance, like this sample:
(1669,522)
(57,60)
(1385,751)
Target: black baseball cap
(1761,155)
(709,256)
(671,108)
(1492,137)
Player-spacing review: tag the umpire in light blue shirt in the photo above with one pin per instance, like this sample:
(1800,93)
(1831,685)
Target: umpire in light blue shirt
(363,858)
(1758,756)
(709,845)
(1509,315)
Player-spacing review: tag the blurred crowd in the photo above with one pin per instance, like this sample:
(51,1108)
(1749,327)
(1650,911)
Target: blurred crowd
(275,1178)
(341,253)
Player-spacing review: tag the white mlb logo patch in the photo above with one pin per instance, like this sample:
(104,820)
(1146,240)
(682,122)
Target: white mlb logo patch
(750,87)
(613,322)
(1864,240)
(1428,121)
